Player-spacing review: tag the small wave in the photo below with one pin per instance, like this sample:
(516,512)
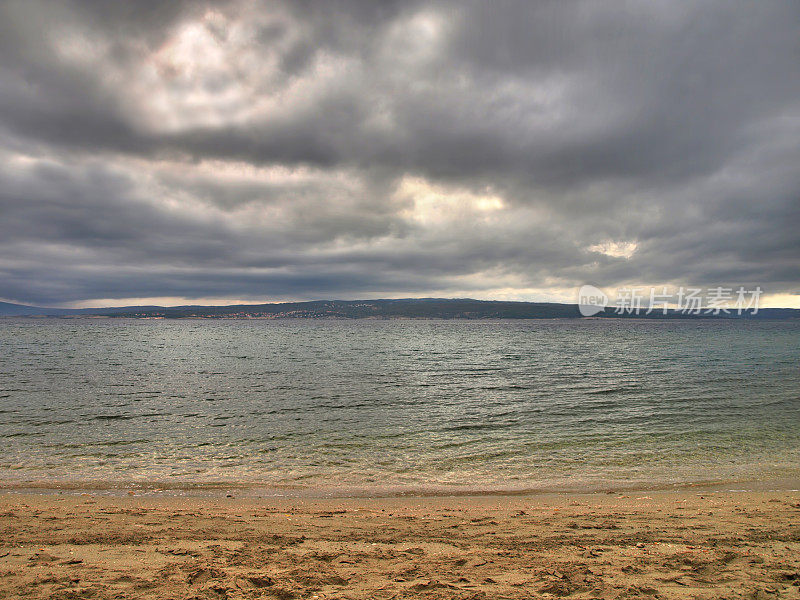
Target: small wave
(613,390)
(113,417)
(477,426)
(512,386)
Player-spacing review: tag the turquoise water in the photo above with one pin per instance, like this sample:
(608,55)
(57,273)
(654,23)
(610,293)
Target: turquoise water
(399,405)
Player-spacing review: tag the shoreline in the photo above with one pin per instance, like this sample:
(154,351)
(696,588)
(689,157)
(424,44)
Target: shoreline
(246,489)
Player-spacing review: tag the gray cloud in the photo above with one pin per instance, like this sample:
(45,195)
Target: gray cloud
(257,150)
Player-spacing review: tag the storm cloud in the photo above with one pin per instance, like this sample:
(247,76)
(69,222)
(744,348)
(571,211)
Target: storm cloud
(259,151)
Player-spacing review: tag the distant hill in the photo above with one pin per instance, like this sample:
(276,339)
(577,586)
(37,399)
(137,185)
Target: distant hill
(11,310)
(405,308)
(8,309)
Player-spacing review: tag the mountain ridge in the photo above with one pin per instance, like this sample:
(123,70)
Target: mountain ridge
(389,308)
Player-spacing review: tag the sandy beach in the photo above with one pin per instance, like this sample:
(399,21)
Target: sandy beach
(676,544)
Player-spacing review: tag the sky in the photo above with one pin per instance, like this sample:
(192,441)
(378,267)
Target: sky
(247,151)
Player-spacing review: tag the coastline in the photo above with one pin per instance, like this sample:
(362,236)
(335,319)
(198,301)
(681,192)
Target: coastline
(258,489)
(677,544)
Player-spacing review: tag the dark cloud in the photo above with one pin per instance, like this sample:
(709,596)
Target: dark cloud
(263,150)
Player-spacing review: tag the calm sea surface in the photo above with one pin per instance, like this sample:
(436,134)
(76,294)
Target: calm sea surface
(388,406)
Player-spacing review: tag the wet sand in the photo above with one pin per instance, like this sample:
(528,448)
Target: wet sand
(681,544)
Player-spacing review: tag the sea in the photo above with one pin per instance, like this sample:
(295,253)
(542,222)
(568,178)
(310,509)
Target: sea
(385,407)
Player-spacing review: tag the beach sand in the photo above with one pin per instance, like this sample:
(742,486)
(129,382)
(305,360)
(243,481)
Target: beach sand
(677,544)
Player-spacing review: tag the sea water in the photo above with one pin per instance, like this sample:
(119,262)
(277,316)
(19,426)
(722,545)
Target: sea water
(397,406)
